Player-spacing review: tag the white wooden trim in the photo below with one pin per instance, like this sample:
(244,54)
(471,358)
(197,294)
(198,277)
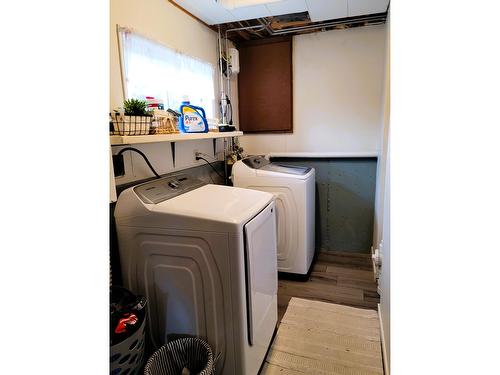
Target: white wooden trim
(375,268)
(367,154)
(382,340)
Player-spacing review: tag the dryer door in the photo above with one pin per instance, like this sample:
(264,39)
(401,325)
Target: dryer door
(287,224)
(261,276)
(285,227)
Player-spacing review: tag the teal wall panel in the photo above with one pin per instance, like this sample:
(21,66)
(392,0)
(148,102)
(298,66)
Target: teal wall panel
(345,201)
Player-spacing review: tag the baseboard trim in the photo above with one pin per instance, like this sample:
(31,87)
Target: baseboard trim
(376,270)
(382,340)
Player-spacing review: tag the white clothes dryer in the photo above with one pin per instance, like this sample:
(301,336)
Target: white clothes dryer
(294,190)
(205,258)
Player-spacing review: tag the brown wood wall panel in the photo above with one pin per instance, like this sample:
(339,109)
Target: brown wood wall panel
(265,85)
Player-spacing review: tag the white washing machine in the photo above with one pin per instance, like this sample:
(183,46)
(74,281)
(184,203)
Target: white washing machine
(294,190)
(205,257)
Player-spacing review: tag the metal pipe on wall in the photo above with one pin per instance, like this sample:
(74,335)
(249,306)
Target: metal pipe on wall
(263,25)
(223,101)
(320,25)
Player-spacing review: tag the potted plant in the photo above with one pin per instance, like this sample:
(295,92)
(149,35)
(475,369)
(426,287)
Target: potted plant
(133,119)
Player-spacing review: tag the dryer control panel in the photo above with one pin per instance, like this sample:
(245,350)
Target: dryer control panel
(160,190)
(256,162)
(260,162)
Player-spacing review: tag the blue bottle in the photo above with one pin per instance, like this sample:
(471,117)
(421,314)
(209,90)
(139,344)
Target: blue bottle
(193,119)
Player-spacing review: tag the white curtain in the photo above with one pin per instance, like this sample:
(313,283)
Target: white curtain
(151,69)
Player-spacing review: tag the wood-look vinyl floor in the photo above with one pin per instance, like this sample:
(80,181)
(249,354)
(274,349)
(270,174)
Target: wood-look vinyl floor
(341,278)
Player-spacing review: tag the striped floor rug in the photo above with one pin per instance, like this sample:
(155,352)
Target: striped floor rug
(324,338)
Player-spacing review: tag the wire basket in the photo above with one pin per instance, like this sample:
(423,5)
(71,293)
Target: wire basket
(130,125)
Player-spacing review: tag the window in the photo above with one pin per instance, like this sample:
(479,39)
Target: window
(151,69)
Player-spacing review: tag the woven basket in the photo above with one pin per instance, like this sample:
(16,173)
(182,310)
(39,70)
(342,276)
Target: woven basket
(165,125)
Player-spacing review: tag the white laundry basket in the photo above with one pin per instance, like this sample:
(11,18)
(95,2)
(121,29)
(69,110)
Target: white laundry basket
(127,357)
(127,325)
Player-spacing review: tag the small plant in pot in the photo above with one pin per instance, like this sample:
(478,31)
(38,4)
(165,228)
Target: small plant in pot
(136,107)
(134,119)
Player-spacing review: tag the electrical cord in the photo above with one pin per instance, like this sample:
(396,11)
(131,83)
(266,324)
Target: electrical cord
(206,161)
(144,157)
(208,156)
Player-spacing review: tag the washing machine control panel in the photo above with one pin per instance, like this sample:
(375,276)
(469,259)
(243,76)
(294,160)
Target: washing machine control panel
(160,190)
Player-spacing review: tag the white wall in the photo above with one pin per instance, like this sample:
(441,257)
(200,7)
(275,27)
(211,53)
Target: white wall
(338,80)
(382,212)
(384,143)
(385,274)
(158,20)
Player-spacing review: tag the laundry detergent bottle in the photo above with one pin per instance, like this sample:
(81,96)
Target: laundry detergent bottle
(193,118)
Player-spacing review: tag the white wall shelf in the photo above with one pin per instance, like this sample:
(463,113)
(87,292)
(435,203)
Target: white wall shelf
(117,140)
